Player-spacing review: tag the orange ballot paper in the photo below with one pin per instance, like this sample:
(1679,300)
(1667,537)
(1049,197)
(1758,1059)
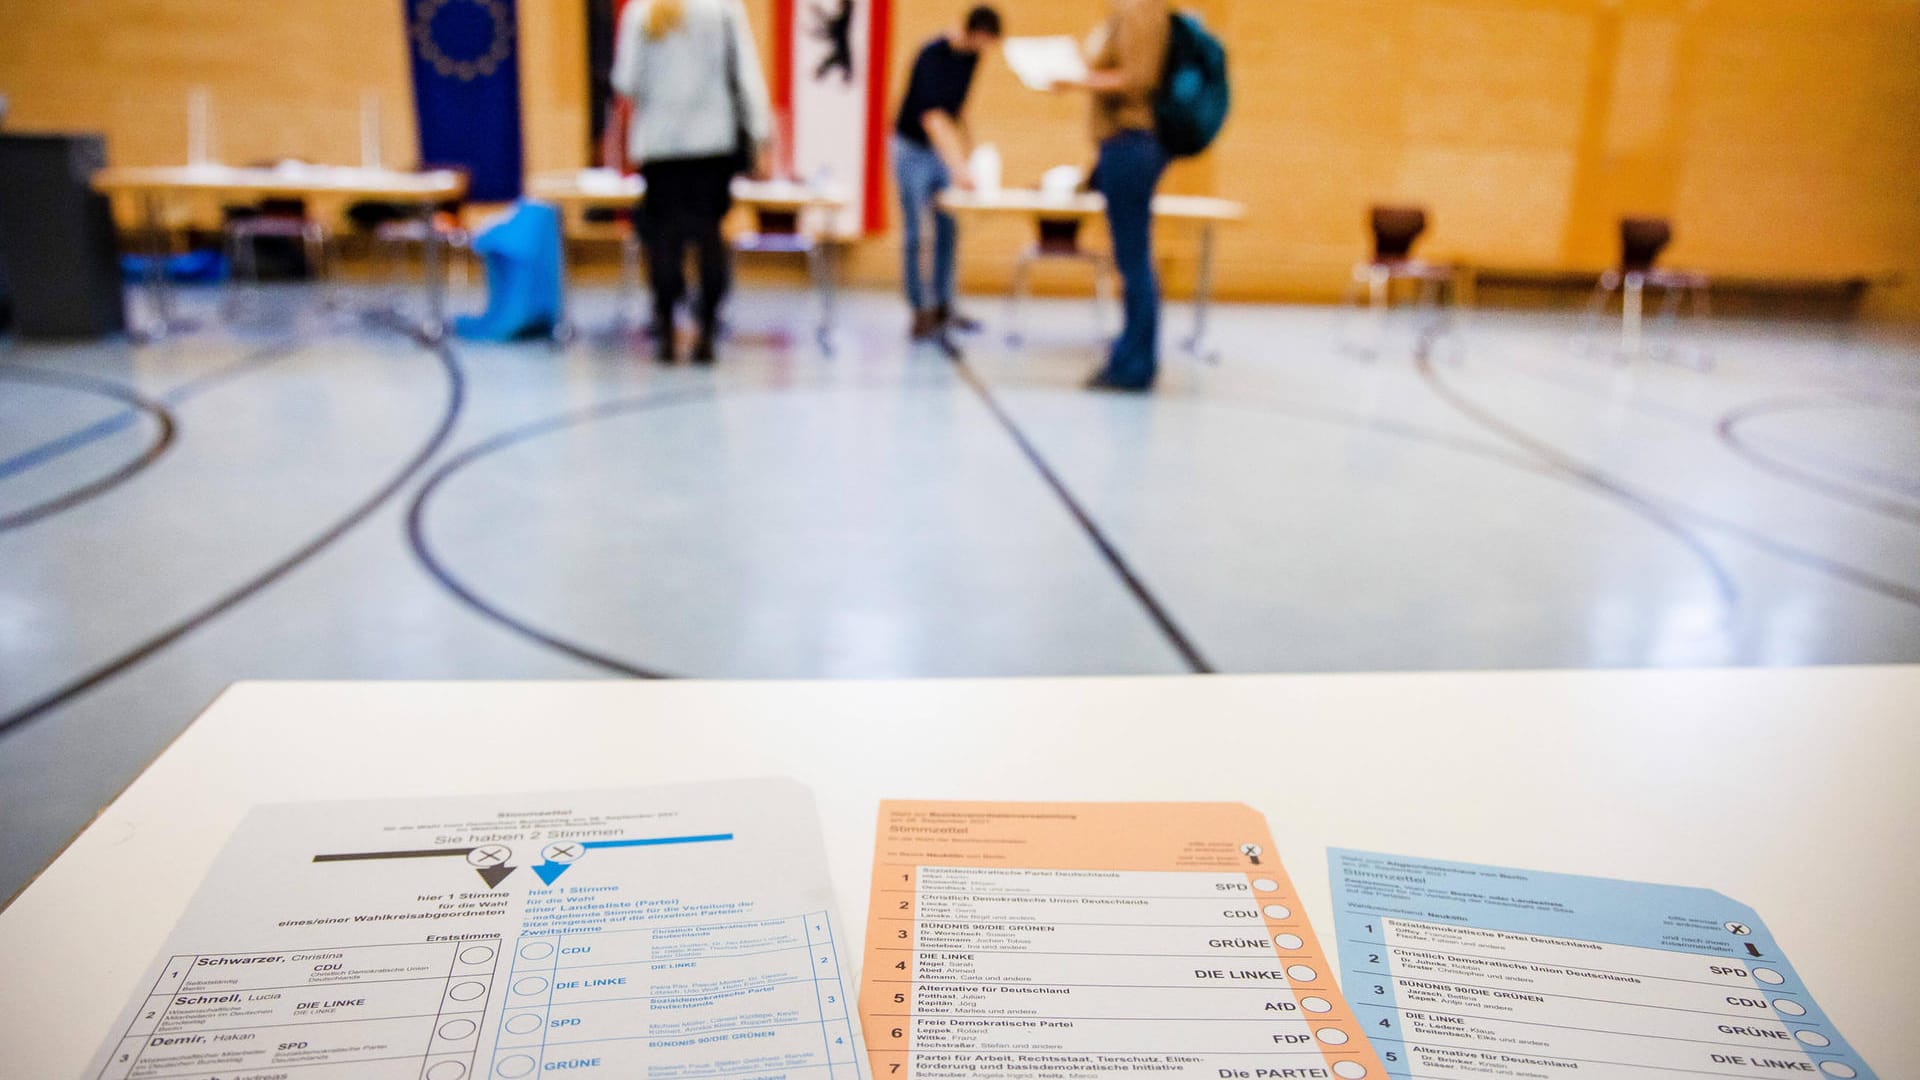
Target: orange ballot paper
(1082,940)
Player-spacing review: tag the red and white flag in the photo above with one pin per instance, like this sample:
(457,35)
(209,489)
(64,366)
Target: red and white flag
(830,91)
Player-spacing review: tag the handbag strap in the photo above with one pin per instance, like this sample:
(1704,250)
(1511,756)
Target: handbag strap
(734,93)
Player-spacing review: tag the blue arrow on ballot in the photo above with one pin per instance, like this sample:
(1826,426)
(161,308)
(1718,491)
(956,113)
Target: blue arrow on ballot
(550,870)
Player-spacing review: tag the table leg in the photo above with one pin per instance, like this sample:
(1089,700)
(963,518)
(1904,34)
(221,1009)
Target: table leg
(822,255)
(1704,360)
(633,282)
(1632,305)
(564,331)
(158,287)
(435,326)
(1197,345)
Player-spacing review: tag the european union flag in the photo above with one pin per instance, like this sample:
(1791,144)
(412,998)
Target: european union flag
(466,90)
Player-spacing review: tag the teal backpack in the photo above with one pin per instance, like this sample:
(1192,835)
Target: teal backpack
(1191,105)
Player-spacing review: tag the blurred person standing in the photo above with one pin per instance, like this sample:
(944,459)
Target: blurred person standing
(1127,57)
(931,147)
(700,118)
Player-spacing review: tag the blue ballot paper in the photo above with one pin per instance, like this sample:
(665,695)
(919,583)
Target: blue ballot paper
(1468,971)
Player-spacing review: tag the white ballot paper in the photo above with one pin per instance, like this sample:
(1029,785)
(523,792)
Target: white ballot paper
(1040,62)
(674,933)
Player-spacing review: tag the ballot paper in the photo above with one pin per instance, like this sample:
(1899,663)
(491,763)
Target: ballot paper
(684,932)
(1040,62)
(1082,940)
(1476,971)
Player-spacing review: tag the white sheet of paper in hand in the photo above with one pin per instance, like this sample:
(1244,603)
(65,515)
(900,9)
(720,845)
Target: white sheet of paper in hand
(1040,62)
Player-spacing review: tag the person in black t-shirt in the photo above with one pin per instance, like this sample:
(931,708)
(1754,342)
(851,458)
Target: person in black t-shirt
(930,151)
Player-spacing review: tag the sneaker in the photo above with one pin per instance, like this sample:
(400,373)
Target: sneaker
(703,350)
(926,325)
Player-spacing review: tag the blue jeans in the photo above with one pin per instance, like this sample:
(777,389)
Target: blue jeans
(1128,171)
(921,177)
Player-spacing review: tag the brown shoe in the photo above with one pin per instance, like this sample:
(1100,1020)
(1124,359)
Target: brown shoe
(953,320)
(926,325)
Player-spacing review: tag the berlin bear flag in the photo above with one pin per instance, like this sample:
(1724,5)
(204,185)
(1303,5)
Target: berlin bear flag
(466,90)
(830,88)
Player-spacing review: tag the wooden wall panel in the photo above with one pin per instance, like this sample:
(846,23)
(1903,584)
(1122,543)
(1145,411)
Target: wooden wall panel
(284,80)
(554,108)
(1782,135)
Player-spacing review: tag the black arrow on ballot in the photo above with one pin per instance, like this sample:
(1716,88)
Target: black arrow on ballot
(493,875)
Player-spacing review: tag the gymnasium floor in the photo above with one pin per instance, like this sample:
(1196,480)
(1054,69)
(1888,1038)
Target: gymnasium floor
(303,496)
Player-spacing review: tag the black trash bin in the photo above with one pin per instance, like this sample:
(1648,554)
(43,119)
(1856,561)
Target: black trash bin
(58,252)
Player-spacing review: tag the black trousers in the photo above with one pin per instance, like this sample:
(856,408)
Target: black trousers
(686,200)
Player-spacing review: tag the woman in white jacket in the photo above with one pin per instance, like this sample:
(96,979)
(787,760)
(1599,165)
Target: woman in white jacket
(700,117)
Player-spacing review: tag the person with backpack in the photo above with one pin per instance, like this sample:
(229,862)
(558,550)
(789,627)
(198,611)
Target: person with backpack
(700,117)
(1159,86)
(1127,58)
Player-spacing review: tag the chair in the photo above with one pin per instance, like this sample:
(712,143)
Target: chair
(397,236)
(397,228)
(272,219)
(1059,238)
(1395,229)
(1642,239)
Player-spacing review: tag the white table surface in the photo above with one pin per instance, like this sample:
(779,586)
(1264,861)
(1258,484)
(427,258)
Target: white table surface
(603,187)
(289,179)
(1029,202)
(1796,791)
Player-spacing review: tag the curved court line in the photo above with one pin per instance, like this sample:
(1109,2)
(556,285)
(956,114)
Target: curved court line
(61,445)
(466,594)
(1729,431)
(137,404)
(456,400)
(470,596)
(1780,467)
(1162,618)
(34,457)
(254,361)
(1585,475)
(1852,575)
(1833,568)
(1532,465)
